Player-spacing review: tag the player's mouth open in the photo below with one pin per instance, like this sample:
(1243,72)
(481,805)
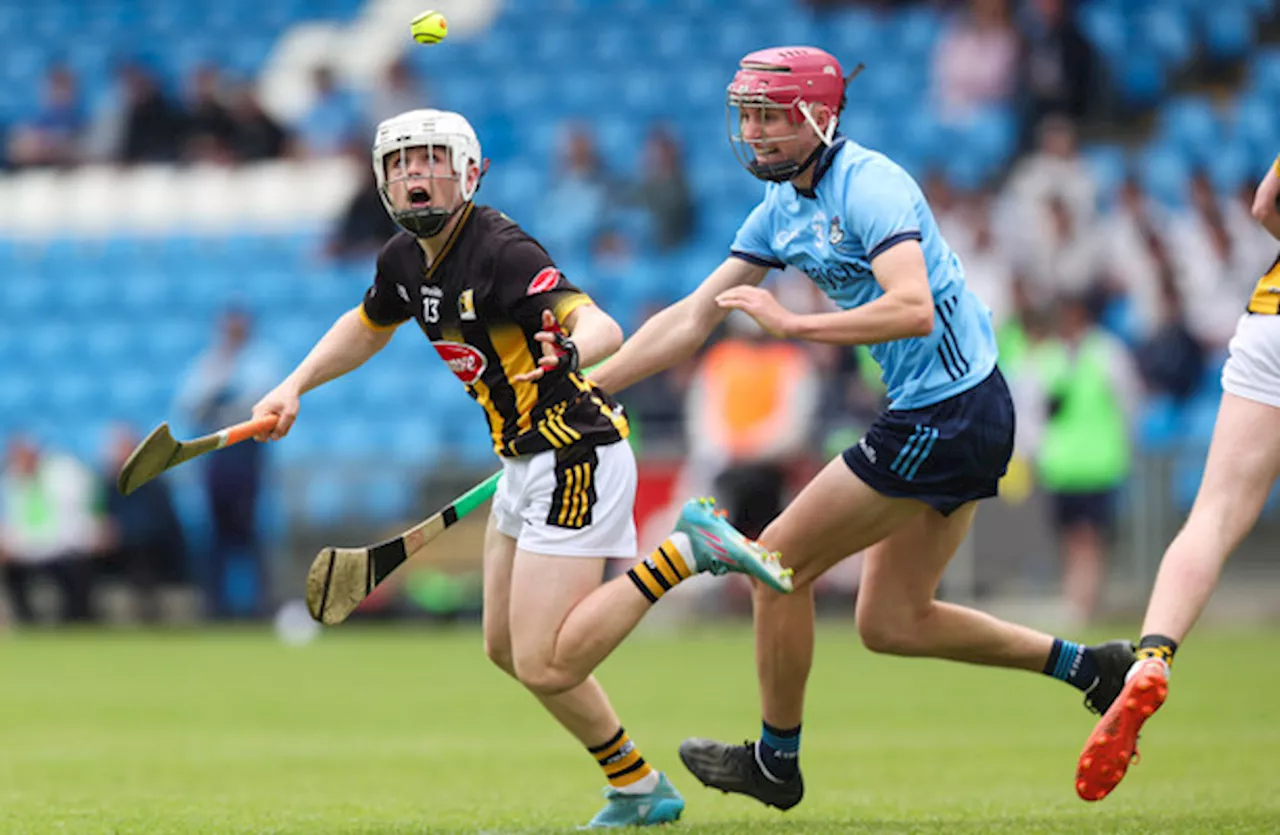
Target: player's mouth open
(419,197)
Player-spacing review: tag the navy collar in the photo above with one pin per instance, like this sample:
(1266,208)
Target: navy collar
(825,159)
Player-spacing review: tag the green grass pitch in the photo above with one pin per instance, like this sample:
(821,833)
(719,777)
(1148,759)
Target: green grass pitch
(378,731)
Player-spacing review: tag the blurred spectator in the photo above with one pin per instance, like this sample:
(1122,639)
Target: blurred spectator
(333,120)
(1058,63)
(664,192)
(576,205)
(1215,266)
(1049,214)
(975,61)
(948,209)
(221,389)
(988,269)
(1169,357)
(255,135)
(144,539)
(48,529)
(364,225)
(1134,255)
(1064,257)
(1054,168)
(153,126)
(210,128)
(1089,394)
(52,135)
(398,91)
(750,409)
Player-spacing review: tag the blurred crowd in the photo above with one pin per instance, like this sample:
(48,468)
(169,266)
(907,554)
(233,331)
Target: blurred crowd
(212,119)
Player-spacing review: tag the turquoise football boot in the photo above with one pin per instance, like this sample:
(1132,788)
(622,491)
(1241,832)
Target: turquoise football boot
(662,805)
(719,547)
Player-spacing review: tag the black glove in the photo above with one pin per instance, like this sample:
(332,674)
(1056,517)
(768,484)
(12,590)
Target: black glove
(566,351)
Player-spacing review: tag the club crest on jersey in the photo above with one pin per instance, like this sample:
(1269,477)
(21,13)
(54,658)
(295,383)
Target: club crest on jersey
(546,280)
(467,363)
(835,235)
(467,305)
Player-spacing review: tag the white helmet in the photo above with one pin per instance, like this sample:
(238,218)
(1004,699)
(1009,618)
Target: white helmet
(427,128)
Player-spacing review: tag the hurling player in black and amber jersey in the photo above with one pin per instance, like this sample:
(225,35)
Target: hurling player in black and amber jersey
(1242,468)
(514,331)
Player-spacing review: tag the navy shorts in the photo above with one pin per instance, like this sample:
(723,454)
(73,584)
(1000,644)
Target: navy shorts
(1096,509)
(945,455)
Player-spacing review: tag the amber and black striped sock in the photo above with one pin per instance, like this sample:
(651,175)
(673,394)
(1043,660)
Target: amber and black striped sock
(1157,646)
(623,766)
(662,570)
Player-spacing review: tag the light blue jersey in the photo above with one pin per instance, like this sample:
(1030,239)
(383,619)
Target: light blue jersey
(863,204)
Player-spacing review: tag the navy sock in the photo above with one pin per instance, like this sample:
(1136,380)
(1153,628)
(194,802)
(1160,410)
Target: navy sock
(778,752)
(1072,663)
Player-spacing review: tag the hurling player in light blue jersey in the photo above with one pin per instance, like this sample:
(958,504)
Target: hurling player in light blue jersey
(857,224)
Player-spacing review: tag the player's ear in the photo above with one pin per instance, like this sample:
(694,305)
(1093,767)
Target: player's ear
(473,175)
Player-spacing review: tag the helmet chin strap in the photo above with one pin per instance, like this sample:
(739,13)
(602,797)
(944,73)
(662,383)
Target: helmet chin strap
(781,172)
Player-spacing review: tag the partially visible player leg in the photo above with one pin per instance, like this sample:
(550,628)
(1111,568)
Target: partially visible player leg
(1243,464)
(910,545)
(583,710)
(835,515)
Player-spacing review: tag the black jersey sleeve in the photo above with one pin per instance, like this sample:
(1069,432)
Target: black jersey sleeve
(385,304)
(528,282)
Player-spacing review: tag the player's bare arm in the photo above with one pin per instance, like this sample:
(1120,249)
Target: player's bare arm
(905,309)
(347,345)
(1265,209)
(675,333)
(594,335)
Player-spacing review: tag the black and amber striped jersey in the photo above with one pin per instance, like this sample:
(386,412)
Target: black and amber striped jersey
(481,304)
(1266,293)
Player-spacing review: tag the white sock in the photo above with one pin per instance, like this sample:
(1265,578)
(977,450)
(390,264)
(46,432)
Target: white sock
(1136,664)
(681,542)
(644,785)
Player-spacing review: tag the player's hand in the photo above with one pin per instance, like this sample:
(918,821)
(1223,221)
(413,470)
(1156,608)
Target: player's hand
(558,350)
(760,305)
(282,401)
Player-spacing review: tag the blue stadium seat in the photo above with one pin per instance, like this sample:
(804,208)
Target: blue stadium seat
(1164,172)
(1109,165)
(1190,123)
(1228,30)
(1168,29)
(1142,76)
(325,500)
(1264,72)
(1256,123)
(385,498)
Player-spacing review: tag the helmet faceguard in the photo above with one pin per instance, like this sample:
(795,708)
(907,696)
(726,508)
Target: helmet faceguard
(790,80)
(432,130)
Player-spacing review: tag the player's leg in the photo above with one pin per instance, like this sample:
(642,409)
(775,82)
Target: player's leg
(584,710)
(949,455)
(897,613)
(1242,466)
(572,622)
(835,515)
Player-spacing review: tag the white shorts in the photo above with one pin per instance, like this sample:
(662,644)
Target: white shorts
(571,502)
(1253,369)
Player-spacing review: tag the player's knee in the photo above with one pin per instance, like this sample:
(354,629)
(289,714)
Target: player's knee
(499,652)
(884,633)
(546,679)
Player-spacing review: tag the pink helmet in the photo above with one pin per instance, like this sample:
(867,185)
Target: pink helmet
(792,78)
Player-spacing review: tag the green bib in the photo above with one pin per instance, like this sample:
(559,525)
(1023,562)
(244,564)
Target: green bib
(1085,447)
